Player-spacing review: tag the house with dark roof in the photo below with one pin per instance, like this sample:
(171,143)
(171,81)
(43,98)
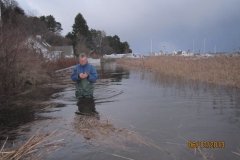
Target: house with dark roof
(50,52)
(63,51)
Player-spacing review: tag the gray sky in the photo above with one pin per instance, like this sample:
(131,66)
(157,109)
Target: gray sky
(171,24)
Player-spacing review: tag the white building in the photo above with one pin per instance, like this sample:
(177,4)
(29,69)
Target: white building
(50,52)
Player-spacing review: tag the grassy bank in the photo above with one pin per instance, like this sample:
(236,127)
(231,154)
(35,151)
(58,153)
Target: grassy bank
(220,70)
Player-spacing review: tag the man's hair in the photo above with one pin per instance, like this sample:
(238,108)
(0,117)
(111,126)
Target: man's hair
(82,55)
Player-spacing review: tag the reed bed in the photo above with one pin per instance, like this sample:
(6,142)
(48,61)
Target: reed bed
(220,70)
(32,148)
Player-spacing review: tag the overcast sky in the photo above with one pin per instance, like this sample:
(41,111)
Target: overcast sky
(171,24)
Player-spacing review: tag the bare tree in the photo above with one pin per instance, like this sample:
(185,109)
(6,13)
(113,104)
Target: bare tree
(19,64)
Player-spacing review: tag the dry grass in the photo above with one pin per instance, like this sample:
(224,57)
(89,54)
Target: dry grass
(32,149)
(221,70)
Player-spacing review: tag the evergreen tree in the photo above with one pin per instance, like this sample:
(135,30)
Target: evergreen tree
(10,11)
(85,40)
(118,46)
(52,24)
(80,27)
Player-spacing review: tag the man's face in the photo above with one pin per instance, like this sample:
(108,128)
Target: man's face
(83,60)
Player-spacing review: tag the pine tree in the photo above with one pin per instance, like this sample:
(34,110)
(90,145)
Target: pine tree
(80,27)
(51,23)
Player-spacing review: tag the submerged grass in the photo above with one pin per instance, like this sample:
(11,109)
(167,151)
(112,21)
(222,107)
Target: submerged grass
(220,70)
(102,132)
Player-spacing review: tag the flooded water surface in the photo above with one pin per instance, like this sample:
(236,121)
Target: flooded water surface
(139,115)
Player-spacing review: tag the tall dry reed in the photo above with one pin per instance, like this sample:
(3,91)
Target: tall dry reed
(221,70)
(34,148)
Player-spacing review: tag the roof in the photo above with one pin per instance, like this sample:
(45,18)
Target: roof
(66,50)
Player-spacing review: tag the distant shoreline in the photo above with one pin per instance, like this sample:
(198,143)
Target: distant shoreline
(219,70)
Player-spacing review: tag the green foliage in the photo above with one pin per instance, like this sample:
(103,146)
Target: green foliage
(51,24)
(10,11)
(69,35)
(118,46)
(85,40)
(19,10)
(80,27)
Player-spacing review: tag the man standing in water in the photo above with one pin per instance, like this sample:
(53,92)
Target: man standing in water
(84,74)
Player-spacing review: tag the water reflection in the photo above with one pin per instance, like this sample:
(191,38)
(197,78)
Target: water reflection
(165,109)
(108,87)
(12,118)
(113,71)
(222,100)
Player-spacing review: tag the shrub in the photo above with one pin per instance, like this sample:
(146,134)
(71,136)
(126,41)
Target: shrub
(19,64)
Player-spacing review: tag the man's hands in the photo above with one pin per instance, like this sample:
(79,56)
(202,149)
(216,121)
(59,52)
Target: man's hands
(83,75)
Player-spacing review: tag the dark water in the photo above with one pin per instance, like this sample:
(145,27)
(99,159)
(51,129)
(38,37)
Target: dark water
(168,111)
